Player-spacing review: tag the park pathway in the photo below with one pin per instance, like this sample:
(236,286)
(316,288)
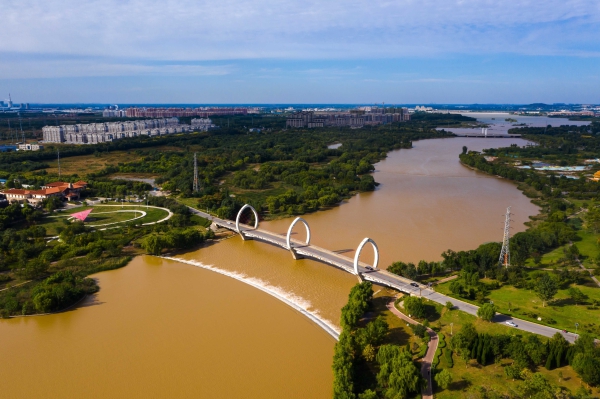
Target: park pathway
(444,280)
(584,268)
(427,392)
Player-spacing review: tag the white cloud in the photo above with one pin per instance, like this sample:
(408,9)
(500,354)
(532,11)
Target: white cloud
(58,68)
(66,38)
(235,29)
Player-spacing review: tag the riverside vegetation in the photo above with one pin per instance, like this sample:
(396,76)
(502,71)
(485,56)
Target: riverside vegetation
(474,358)
(38,275)
(363,367)
(548,280)
(280,172)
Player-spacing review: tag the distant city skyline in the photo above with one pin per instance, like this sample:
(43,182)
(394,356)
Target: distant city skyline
(266,51)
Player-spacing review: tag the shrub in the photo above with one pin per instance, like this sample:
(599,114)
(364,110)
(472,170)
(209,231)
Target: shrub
(422,350)
(414,306)
(441,340)
(448,357)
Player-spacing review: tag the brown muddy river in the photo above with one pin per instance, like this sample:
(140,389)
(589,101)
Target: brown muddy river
(161,328)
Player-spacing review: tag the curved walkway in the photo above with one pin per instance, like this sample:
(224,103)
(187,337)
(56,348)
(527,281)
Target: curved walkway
(170,214)
(427,392)
(122,221)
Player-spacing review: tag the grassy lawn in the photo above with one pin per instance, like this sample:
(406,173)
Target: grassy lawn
(400,333)
(469,378)
(97,217)
(525,304)
(588,247)
(193,202)
(84,164)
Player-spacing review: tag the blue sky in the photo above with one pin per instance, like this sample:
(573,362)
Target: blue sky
(268,51)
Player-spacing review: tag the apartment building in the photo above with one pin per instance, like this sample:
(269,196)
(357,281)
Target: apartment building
(94,133)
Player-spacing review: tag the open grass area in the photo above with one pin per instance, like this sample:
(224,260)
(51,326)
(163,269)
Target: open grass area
(562,313)
(84,164)
(103,215)
(588,247)
(400,333)
(469,379)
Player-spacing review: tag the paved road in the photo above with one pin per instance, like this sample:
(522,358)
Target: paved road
(379,276)
(427,392)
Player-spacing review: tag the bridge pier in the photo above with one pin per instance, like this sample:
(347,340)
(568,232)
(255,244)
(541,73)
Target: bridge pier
(237,221)
(244,237)
(288,241)
(295,254)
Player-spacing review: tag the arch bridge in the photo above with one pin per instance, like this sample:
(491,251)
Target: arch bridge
(304,249)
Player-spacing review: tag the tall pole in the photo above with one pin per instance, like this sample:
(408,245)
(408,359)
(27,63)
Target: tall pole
(58,157)
(504,259)
(21,127)
(196,188)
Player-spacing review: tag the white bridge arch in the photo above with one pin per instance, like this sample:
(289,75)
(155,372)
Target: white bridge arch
(237,219)
(289,233)
(359,250)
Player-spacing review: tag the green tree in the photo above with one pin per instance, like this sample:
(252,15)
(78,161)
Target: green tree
(398,376)
(373,333)
(576,295)
(535,386)
(358,302)
(369,353)
(513,371)
(587,366)
(443,378)
(546,288)
(449,305)
(415,306)
(368,394)
(343,367)
(463,340)
(487,312)
(592,219)
(154,244)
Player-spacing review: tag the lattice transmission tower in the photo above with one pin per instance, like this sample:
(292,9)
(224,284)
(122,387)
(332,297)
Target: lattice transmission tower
(196,185)
(504,259)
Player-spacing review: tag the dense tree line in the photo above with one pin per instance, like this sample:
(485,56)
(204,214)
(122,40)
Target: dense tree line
(26,253)
(529,353)
(359,353)
(156,243)
(295,167)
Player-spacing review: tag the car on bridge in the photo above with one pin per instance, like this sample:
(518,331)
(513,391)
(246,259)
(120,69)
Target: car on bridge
(369,269)
(415,285)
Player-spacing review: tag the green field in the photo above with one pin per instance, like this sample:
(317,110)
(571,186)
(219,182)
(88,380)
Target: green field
(99,217)
(562,313)
(468,378)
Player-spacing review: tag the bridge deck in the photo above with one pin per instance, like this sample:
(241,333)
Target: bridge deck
(378,276)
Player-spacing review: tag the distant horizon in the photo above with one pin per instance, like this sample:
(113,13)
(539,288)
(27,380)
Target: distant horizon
(300,52)
(250,104)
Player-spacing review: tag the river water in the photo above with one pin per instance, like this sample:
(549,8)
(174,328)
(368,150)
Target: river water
(162,328)
(498,123)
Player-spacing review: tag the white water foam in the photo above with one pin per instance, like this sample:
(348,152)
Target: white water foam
(298,303)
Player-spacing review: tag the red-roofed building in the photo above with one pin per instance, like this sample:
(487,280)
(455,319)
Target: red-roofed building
(63,190)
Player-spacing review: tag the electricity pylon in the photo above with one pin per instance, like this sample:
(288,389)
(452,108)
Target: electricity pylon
(196,185)
(504,259)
